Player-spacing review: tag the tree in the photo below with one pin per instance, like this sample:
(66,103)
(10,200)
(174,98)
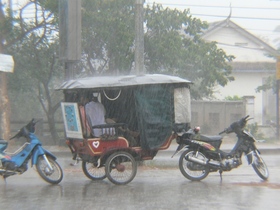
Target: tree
(33,43)
(108,36)
(173,44)
(270,83)
(36,73)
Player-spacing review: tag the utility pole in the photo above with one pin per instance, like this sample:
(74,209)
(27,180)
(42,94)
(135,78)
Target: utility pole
(139,38)
(69,35)
(277,95)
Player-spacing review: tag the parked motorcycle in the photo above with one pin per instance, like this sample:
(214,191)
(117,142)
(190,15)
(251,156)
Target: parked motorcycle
(202,155)
(16,163)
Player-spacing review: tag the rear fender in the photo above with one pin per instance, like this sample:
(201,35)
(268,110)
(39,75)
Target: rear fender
(180,149)
(39,151)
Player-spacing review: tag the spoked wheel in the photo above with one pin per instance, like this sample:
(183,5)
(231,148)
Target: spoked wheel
(53,174)
(92,172)
(193,171)
(120,168)
(260,167)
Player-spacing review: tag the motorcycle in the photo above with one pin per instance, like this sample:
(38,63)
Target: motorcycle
(16,163)
(202,155)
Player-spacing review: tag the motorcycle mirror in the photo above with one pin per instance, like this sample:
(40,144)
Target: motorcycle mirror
(196,129)
(31,125)
(245,118)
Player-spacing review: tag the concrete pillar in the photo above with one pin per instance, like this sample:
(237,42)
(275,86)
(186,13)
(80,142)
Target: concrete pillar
(249,103)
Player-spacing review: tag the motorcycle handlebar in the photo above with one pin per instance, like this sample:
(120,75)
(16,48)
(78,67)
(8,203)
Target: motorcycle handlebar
(236,126)
(222,132)
(30,127)
(227,130)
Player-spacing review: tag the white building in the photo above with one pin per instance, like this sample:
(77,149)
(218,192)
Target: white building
(251,66)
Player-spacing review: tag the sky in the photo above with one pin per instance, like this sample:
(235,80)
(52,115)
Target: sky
(259,17)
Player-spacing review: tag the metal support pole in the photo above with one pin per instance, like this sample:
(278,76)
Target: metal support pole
(69,70)
(277,95)
(277,109)
(4,107)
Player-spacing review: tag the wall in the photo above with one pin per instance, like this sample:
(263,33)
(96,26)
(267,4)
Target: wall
(214,116)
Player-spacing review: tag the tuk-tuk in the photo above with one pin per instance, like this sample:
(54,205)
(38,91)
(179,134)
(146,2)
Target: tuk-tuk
(141,113)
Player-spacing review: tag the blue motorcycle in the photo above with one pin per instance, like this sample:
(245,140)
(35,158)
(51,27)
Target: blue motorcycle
(16,163)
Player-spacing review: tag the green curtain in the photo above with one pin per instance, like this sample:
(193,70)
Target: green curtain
(155,114)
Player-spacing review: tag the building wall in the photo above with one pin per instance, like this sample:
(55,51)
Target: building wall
(246,49)
(245,84)
(234,43)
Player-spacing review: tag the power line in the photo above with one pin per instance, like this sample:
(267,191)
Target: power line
(222,16)
(254,29)
(237,17)
(191,5)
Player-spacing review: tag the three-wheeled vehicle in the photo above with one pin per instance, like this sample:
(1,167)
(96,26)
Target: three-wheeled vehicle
(142,112)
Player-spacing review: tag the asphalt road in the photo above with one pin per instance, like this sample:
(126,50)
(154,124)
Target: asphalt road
(157,185)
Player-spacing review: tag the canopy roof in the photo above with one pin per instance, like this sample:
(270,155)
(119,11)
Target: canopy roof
(121,81)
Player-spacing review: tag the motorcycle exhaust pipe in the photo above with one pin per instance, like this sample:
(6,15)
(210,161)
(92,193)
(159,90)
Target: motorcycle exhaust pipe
(203,162)
(196,160)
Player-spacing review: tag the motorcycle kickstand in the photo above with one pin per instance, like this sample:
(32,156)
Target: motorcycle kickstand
(221,177)
(5,179)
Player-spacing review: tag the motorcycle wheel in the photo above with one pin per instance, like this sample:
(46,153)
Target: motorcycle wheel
(52,177)
(260,167)
(120,168)
(191,170)
(92,172)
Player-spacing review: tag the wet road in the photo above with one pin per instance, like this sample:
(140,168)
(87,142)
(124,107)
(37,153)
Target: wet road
(152,188)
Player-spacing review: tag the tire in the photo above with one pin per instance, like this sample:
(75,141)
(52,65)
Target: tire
(52,177)
(92,172)
(260,167)
(120,168)
(190,170)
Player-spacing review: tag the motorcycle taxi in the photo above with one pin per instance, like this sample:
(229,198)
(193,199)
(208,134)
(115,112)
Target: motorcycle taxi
(144,110)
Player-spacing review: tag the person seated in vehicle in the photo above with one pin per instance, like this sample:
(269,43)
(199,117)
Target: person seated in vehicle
(95,112)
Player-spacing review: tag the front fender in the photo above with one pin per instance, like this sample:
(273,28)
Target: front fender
(39,151)
(250,156)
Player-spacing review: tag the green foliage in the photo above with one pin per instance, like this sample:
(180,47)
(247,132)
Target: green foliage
(233,98)
(34,46)
(270,83)
(108,36)
(172,39)
(173,45)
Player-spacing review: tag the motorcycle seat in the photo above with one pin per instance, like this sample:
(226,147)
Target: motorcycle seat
(210,138)
(3,141)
